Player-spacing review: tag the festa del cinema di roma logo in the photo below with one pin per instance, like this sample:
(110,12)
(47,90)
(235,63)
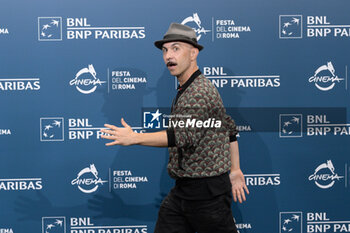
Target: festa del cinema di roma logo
(324,175)
(195,19)
(325,77)
(85,80)
(87,180)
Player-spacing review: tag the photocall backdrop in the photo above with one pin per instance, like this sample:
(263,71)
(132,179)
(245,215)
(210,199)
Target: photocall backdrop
(69,67)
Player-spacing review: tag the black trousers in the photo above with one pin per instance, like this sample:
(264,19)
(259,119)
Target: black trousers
(177,215)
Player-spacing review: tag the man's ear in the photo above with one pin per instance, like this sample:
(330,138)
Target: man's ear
(194,53)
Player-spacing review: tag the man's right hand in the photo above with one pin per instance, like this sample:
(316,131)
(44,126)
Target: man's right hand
(124,136)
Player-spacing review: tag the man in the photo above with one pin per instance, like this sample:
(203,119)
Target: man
(203,150)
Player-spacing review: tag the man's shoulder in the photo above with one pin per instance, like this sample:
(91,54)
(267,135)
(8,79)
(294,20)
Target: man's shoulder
(201,89)
(203,86)
(201,83)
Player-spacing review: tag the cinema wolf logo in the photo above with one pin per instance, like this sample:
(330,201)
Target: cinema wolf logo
(325,176)
(86,80)
(87,180)
(195,21)
(325,77)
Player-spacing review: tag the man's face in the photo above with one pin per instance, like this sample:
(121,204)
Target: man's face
(177,57)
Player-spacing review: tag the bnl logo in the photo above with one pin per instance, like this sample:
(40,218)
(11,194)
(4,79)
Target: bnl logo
(152,120)
(290,125)
(49,28)
(291,26)
(53,224)
(291,222)
(51,129)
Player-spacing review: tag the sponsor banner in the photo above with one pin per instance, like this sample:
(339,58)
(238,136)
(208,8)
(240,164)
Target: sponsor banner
(229,28)
(5,132)
(222,79)
(262,179)
(325,77)
(291,26)
(325,26)
(310,222)
(126,179)
(20,184)
(49,28)
(87,80)
(59,28)
(320,222)
(159,118)
(195,22)
(287,122)
(4,31)
(291,222)
(312,26)
(153,118)
(243,226)
(82,129)
(325,175)
(217,28)
(125,79)
(59,129)
(291,125)
(53,224)
(51,129)
(312,122)
(323,125)
(85,225)
(19,84)
(88,180)
(6,230)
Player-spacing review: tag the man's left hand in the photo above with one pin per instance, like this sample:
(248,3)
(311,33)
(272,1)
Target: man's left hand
(238,185)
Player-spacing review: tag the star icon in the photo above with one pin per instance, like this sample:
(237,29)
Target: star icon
(156,115)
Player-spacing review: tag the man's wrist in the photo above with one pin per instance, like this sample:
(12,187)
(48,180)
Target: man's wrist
(136,138)
(233,169)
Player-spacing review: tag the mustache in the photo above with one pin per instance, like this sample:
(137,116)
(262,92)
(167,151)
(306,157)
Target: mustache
(170,63)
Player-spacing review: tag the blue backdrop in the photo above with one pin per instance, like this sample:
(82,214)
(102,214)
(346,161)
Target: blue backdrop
(68,67)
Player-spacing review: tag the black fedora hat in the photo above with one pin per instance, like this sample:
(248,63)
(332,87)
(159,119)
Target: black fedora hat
(179,32)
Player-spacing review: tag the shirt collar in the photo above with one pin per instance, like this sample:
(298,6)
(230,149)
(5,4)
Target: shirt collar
(189,81)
